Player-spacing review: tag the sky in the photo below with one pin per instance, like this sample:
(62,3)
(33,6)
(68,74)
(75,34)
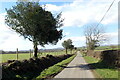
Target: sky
(76,14)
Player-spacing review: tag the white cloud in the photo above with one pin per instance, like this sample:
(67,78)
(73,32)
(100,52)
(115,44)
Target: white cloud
(112,38)
(51,7)
(14,41)
(80,41)
(112,34)
(83,12)
(76,14)
(10,40)
(77,41)
(74,39)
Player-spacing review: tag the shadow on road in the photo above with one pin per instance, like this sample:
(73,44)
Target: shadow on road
(99,65)
(82,66)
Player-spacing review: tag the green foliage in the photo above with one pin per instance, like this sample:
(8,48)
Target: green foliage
(33,22)
(71,47)
(67,44)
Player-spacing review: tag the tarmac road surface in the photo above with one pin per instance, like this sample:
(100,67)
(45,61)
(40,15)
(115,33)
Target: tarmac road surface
(77,68)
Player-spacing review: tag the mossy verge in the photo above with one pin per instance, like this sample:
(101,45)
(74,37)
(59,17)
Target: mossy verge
(53,70)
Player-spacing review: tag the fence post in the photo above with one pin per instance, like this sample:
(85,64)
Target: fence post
(30,53)
(17,53)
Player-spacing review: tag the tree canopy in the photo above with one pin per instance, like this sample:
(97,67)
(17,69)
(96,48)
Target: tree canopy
(33,22)
(67,44)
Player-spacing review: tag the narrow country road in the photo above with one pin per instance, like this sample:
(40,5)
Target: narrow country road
(77,68)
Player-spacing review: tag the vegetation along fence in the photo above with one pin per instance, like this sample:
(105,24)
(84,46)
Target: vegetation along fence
(110,57)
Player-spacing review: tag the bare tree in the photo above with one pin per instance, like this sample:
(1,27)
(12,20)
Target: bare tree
(95,35)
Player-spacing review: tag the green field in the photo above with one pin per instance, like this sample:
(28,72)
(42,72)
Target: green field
(115,47)
(22,56)
(102,70)
(101,48)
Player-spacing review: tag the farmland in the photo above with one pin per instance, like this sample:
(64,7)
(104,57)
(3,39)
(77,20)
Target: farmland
(102,48)
(22,56)
(110,47)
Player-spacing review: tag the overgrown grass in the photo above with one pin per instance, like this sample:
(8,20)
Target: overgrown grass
(53,70)
(91,59)
(22,56)
(102,69)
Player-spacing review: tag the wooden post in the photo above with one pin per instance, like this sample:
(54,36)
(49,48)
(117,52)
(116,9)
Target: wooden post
(17,53)
(30,53)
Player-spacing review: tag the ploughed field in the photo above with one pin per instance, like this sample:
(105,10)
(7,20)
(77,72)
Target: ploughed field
(22,56)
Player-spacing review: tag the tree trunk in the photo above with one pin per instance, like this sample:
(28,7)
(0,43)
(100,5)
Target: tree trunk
(66,50)
(35,50)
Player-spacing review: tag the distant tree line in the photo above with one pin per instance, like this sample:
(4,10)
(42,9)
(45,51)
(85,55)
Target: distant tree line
(27,51)
(67,44)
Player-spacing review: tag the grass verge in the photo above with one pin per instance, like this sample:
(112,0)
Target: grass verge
(101,69)
(53,70)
